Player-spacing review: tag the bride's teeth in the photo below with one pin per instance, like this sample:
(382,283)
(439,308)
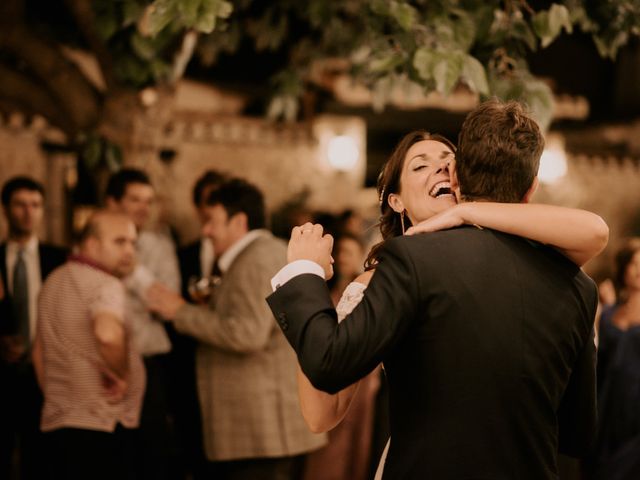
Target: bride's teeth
(438,186)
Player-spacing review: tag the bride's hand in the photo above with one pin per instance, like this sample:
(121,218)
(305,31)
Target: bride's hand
(450,218)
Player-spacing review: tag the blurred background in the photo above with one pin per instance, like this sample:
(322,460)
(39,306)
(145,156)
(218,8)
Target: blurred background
(307,101)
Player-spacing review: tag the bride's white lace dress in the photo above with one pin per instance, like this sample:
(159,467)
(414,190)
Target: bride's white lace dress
(351,297)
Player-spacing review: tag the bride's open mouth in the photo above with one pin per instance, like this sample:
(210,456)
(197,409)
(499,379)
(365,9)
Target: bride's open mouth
(441,189)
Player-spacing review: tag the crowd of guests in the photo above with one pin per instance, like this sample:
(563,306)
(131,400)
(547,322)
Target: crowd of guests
(124,356)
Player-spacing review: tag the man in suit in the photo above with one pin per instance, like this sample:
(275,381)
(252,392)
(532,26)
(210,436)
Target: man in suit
(486,338)
(246,372)
(196,259)
(196,262)
(24,264)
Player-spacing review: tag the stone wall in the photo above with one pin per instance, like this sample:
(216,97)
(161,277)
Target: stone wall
(282,160)
(608,186)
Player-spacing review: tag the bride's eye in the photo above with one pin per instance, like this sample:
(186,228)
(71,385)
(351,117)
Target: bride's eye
(420,166)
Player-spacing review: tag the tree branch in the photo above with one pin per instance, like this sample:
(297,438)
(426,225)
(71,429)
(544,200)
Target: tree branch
(85,19)
(183,56)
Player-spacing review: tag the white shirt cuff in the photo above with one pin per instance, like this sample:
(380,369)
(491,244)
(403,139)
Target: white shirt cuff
(294,269)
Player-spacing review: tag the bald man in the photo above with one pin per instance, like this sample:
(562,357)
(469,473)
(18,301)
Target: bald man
(91,376)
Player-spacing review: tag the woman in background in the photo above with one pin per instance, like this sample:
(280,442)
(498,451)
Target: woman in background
(617,453)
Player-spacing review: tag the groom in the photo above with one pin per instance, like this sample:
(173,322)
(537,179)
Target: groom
(486,338)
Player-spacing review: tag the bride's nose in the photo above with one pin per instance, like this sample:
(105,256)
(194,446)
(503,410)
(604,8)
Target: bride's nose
(443,166)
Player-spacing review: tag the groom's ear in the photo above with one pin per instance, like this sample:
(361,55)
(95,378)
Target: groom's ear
(531,191)
(395,202)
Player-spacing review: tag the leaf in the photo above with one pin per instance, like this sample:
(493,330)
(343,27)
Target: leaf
(283,106)
(206,18)
(143,47)
(539,98)
(381,93)
(291,107)
(447,70)
(225,9)
(522,31)
(156,16)
(379,7)
(131,70)
(464,29)
(276,108)
(483,19)
(559,18)
(106,26)
(549,24)
(112,156)
(525,88)
(131,12)
(541,25)
(608,46)
(404,14)
(209,12)
(92,152)
(474,75)
(386,63)
(423,61)
(444,31)
(189,11)
(360,54)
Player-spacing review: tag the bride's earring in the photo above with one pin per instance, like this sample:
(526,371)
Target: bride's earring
(402,221)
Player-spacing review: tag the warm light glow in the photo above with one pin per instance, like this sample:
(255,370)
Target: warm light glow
(553,164)
(343,153)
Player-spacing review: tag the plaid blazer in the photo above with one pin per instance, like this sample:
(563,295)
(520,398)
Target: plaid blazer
(246,371)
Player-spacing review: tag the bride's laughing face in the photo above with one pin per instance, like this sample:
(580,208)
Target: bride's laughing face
(425,182)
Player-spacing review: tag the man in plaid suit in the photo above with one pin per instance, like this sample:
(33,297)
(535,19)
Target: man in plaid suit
(246,372)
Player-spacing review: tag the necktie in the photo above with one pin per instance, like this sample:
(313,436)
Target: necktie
(20,296)
(215,280)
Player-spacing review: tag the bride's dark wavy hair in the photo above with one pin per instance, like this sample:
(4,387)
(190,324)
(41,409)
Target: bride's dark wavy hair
(389,182)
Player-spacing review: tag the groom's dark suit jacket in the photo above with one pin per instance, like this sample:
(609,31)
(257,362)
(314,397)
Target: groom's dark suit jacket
(487,342)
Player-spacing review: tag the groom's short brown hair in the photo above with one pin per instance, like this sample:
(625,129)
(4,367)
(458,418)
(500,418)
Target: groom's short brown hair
(499,149)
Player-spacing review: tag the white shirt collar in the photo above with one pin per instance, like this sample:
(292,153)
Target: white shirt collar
(227,258)
(30,248)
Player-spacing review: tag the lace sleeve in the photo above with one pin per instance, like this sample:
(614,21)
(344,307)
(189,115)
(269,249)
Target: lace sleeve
(351,297)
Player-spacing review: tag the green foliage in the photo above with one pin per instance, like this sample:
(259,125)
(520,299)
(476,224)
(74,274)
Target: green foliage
(611,23)
(98,152)
(474,75)
(522,86)
(548,23)
(284,104)
(437,44)
(144,36)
